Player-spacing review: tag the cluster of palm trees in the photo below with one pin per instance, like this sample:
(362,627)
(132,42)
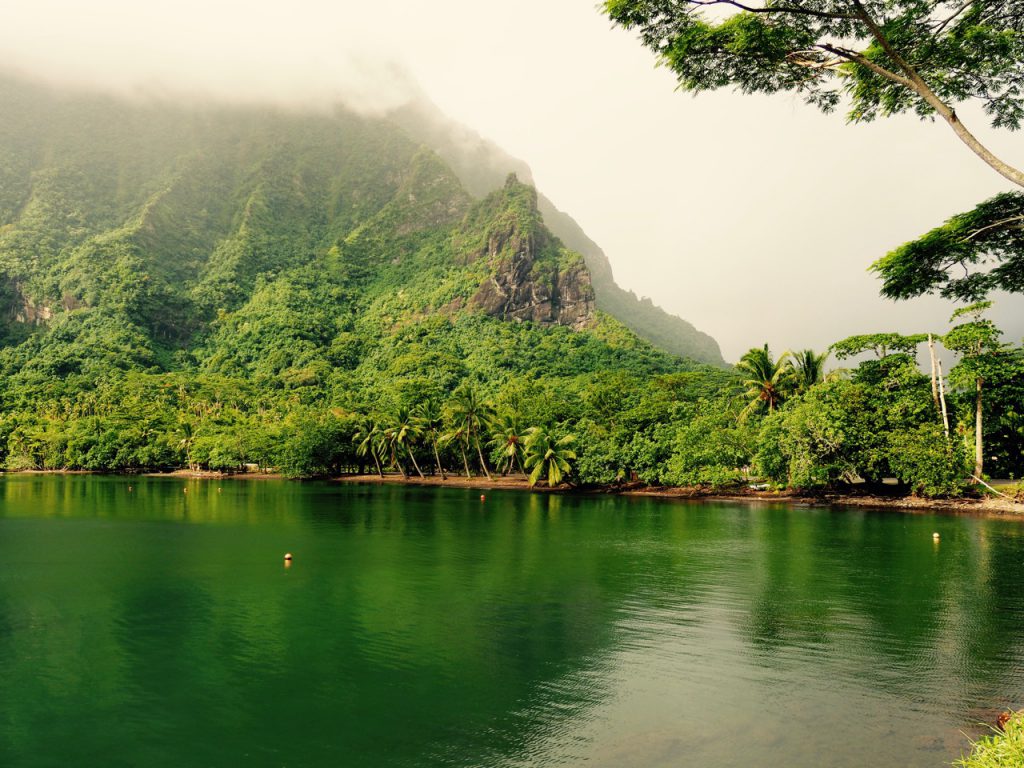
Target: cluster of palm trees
(469,423)
(770,382)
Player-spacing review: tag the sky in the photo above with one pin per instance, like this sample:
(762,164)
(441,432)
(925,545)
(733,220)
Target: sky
(753,217)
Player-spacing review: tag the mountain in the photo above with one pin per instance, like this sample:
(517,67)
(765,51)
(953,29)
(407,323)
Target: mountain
(145,234)
(481,166)
(216,285)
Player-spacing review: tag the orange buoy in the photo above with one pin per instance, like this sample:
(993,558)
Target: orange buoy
(482,497)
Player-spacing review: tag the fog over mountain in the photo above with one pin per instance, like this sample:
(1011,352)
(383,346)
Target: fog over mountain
(754,218)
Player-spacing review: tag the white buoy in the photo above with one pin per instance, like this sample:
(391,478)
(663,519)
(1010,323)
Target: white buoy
(936,536)
(288,556)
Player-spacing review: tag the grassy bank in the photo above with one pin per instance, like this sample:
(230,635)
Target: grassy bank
(1000,750)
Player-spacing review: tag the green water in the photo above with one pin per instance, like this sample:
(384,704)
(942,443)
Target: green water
(141,625)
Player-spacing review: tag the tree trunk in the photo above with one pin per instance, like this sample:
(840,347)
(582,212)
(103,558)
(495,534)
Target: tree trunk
(465,461)
(397,463)
(979,454)
(418,470)
(942,399)
(380,470)
(916,83)
(438,460)
(935,382)
(483,463)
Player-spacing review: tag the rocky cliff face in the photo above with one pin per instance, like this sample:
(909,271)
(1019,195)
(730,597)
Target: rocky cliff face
(532,276)
(481,166)
(520,289)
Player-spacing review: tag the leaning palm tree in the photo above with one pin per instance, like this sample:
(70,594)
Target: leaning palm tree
(368,437)
(407,432)
(768,381)
(808,369)
(471,416)
(460,436)
(432,421)
(548,456)
(391,447)
(507,440)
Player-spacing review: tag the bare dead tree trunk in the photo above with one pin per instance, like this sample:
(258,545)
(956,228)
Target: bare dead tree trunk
(942,399)
(935,383)
(979,454)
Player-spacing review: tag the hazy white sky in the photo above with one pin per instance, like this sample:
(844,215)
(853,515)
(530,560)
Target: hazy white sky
(755,218)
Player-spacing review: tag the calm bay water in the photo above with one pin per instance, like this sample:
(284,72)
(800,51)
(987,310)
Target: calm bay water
(143,625)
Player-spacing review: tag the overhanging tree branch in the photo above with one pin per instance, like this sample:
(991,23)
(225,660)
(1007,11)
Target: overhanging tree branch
(916,83)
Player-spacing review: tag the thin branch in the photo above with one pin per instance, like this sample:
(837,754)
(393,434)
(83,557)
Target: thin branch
(864,61)
(776,9)
(938,30)
(996,224)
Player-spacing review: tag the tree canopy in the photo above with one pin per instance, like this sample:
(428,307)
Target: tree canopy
(970,255)
(918,56)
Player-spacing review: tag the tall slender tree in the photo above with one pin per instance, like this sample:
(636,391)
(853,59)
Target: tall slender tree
(368,439)
(472,415)
(507,440)
(432,421)
(977,342)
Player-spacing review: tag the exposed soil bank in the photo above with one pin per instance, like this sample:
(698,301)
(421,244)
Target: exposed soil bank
(984,506)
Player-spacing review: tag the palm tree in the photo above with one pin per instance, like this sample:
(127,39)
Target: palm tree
(471,416)
(432,422)
(407,431)
(508,441)
(368,437)
(768,381)
(391,445)
(808,368)
(187,441)
(461,436)
(548,456)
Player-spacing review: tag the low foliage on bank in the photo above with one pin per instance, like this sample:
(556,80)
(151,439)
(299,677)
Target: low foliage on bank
(999,750)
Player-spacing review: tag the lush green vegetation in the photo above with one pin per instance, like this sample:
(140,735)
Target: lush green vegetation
(318,294)
(1000,750)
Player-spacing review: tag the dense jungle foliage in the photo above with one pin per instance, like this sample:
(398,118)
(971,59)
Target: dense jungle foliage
(216,288)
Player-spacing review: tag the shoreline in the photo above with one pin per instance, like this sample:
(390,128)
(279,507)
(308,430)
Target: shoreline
(983,507)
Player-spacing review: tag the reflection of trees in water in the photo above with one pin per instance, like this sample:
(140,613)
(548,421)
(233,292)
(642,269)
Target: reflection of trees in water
(901,611)
(426,623)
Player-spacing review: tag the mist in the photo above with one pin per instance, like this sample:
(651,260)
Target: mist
(754,218)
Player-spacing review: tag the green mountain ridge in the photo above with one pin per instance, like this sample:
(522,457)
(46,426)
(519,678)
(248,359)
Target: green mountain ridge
(481,166)
(291,250)
(202,201)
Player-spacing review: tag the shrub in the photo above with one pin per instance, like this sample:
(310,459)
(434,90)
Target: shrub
(1000,750)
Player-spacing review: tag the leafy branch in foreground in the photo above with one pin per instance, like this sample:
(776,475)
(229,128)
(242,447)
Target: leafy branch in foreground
(991,235)
(886,57)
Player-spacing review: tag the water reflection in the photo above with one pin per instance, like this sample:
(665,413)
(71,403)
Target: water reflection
(422,627)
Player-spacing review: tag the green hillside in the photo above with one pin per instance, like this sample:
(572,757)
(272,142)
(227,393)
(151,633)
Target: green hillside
(173,277)
(481,166)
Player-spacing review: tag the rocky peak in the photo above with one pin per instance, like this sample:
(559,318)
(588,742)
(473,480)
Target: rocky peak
(532,276)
